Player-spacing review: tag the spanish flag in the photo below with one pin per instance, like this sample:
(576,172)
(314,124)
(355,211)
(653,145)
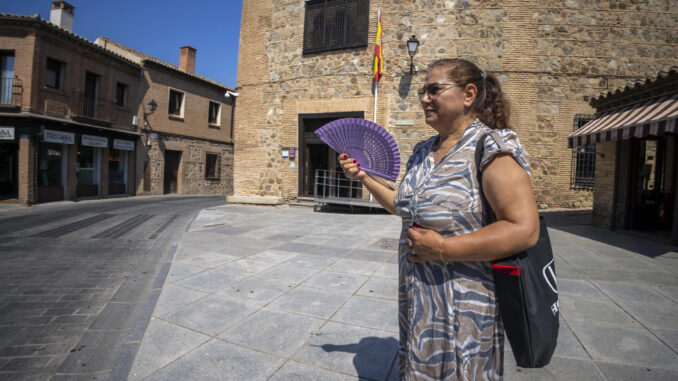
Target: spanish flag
(378,57)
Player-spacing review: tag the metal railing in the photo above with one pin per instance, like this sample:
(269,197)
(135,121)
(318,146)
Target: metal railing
(332,186)
(10,92)
(91,107)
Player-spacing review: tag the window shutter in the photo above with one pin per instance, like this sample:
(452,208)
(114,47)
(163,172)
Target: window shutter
(335,24)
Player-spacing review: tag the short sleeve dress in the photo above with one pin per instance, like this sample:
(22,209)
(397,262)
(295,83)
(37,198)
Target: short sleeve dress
(450,328)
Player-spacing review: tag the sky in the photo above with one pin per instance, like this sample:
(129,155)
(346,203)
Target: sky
(158,28)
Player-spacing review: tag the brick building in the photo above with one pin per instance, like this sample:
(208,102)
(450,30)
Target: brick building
(189,137)
(70,115)
(634,139)
(304,63)
(66,112)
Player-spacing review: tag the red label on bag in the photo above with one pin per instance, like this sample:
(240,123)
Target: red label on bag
(510,270)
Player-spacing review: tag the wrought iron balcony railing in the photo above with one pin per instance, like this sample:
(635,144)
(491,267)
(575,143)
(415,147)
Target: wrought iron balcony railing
(11,90)
(91,107)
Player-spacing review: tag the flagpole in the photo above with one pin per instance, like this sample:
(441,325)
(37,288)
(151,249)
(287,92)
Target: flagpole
(376,83)
(376,94)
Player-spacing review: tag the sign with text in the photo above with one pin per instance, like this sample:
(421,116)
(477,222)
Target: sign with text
(6,133)
(126,145)
(52,136)
(94,141)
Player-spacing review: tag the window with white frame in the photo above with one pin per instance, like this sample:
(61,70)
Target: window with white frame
(176,103)
(214,116)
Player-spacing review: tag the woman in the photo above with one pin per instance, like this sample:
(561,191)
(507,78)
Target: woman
(450,328)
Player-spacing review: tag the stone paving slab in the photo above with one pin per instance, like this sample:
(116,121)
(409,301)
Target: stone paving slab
(291,294)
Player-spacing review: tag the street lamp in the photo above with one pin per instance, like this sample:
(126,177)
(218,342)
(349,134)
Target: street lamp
(152,105)
(412,45)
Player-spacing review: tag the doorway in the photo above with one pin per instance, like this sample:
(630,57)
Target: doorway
(52,162)
(89,106)
(88,171)
(117,171)
(653,174)
(314,154)
(171,182)
(9,167)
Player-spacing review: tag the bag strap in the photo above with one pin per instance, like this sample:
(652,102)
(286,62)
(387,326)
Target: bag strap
(488,213)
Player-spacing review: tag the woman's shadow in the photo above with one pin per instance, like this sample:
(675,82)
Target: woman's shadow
(374,356)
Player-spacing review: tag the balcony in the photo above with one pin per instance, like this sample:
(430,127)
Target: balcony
(91,108)
(11,90)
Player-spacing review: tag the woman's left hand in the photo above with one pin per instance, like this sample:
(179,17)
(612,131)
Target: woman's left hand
(424,244)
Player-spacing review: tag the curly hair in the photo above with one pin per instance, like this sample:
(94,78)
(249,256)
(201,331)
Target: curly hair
(490,105)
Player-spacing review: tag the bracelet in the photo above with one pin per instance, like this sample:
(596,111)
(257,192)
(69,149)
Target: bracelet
(440,251)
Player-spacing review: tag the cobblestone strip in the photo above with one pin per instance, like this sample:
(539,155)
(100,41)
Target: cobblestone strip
(72,227)
(124,227)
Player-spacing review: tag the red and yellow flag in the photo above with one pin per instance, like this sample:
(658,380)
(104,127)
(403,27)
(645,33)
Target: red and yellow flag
(378,56)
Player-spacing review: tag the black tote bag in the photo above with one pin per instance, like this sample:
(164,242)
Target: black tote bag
(526,290)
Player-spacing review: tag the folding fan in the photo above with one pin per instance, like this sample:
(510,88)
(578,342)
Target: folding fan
(368,143)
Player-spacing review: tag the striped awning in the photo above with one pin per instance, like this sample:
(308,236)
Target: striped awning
(654,117)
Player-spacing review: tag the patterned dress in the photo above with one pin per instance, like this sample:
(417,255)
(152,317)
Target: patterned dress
(450,328)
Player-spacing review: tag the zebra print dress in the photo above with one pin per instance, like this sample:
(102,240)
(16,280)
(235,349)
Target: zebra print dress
(450,328)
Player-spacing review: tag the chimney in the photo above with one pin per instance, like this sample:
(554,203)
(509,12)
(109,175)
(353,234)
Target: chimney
(62,15)
(187,59)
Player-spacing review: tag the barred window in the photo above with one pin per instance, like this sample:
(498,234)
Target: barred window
(212,170)
(583,158)
(335,24)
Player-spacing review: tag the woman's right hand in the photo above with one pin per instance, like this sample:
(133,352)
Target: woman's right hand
(351,167)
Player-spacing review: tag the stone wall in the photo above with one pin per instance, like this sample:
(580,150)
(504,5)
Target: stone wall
(191,177)
(550,56)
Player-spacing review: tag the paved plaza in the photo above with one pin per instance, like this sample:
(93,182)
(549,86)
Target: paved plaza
(264,293)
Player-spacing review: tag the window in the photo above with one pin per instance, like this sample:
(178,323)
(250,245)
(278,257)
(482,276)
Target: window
(54,75)
(583,158)
(212,166)
(176,103)
(215,113)
(335,24)
(121,94)
(6,77)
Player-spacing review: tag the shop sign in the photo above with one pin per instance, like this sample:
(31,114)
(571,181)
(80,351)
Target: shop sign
(6,133)
(126,145)
(94,141)
(52,136)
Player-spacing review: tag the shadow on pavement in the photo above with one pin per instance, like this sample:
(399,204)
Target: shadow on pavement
(373,356)
(578,222)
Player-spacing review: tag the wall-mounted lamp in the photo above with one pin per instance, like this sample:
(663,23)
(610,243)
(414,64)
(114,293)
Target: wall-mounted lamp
(152,105)
(230,93)
(412,45)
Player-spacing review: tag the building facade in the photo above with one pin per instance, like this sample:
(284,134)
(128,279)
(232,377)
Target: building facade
(75,119)
(188,138)
(634,135)
(66,114)
(304,63)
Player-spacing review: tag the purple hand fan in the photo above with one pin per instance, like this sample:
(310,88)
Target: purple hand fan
(368,143)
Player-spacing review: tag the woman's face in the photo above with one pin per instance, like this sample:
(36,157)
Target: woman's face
(448,104)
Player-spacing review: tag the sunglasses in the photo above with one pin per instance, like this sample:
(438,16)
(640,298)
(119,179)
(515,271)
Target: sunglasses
(434,89)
